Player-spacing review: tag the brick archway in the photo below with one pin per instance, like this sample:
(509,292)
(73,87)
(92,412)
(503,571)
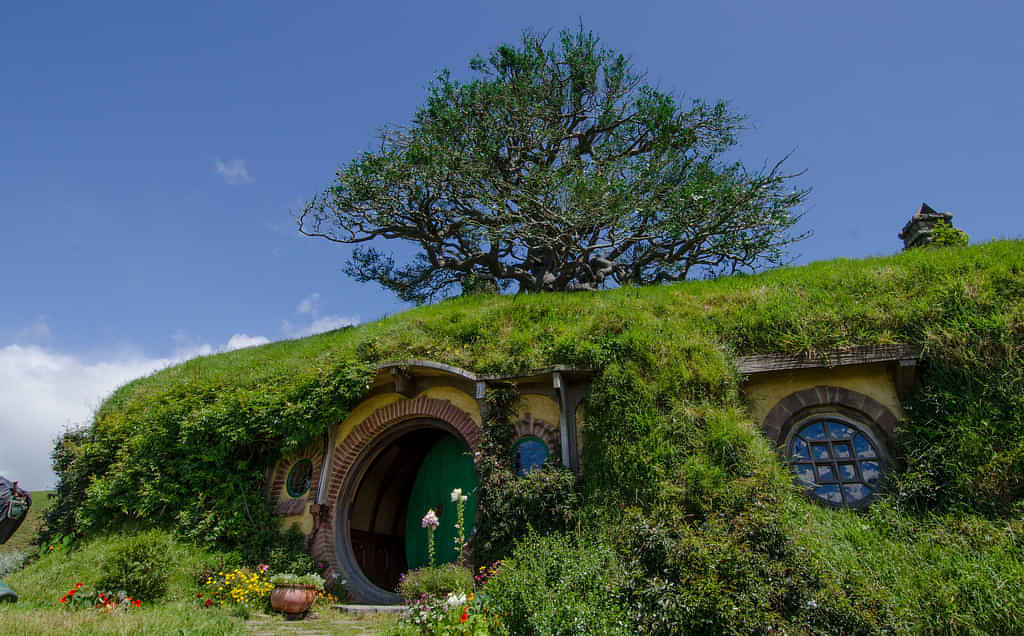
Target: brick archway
(346,455)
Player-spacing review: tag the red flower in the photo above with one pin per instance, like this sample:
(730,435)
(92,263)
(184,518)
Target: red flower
(137,603)
(464,617)
(64,599)
(209,602)
(78,585)
(200,595)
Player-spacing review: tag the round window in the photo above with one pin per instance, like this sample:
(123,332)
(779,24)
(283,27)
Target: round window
(530,454)
(837,460)
(300,477)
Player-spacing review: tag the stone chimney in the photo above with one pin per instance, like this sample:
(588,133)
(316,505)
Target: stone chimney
(918,231)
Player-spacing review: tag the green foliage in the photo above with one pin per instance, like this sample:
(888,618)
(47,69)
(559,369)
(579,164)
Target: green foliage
(436,581)
(288,554)
(137,565)
(556,167)
(945,235)
(560,584)
(187,450)
(673,467)
(546,500)
(309,580)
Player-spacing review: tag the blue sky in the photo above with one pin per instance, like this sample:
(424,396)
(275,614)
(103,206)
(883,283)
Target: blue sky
(150,154)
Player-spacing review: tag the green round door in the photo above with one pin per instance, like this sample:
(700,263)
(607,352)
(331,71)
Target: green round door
(447,466)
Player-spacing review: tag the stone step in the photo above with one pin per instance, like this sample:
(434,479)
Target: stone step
(355,608)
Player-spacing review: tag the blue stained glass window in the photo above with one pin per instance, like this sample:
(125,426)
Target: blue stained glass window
(828,458)
(530,454)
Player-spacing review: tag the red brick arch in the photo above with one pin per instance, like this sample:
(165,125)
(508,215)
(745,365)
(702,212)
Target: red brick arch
(357,441)
(529,426)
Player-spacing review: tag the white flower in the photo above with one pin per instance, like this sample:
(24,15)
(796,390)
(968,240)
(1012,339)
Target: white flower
(464,498)
(812,604)
(455,599)
(456,494)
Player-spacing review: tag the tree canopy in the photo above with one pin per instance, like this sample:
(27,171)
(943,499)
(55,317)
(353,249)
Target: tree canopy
(557,167)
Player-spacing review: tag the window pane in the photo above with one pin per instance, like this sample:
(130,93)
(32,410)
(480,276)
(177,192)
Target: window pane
(800,450)
(871,472)
(805,472)
(815,432)
(862,447)
(821,452)
(842,451)
(855,492)
(825,473)
(847,472)
(530,455)
(839,431)
(829,493)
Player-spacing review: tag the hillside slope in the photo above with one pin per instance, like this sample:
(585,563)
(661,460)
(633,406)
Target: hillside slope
(702,525)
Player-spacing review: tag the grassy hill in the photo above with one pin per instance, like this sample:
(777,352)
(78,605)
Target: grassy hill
(685,519)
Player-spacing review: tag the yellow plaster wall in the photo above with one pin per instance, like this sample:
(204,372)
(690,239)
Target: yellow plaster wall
(540,407)
(304,521)
(367,407)
(362,411)
(459,398)
(765,390)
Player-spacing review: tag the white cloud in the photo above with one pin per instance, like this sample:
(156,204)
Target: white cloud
(42,392)
(241,341)
(234,171)
(319,325)
(310,305)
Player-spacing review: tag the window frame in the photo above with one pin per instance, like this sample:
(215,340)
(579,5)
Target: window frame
(859,424)
(291,471)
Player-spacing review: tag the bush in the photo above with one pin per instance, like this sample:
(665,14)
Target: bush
(437,581)
(560,584)
(138,566)
(289,555)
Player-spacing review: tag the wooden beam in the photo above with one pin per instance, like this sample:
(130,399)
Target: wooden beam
(905,355)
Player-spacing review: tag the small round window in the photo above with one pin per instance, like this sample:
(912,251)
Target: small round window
(530,454)
(838,461)
(300,477)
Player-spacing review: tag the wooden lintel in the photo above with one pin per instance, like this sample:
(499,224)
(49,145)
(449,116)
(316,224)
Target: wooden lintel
(905,355)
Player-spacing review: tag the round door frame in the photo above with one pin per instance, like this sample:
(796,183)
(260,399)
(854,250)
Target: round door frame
(352,459)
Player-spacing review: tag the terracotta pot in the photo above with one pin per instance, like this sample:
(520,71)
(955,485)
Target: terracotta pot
(292,600)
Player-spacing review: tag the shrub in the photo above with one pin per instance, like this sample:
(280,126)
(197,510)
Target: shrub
(289,554)
(437,581)
(945,235)
(138,566)
(560,584)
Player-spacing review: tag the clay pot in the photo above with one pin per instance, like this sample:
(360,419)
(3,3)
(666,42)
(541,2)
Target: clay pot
(293,600)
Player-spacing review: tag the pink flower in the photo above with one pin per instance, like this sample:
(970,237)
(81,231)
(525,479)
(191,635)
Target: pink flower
(430,520)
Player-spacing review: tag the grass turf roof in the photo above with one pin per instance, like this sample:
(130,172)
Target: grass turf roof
(668,435)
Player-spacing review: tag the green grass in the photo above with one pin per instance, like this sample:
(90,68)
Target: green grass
(669,444)
(21,541)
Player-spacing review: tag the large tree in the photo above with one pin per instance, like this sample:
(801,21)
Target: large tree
(557,168)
